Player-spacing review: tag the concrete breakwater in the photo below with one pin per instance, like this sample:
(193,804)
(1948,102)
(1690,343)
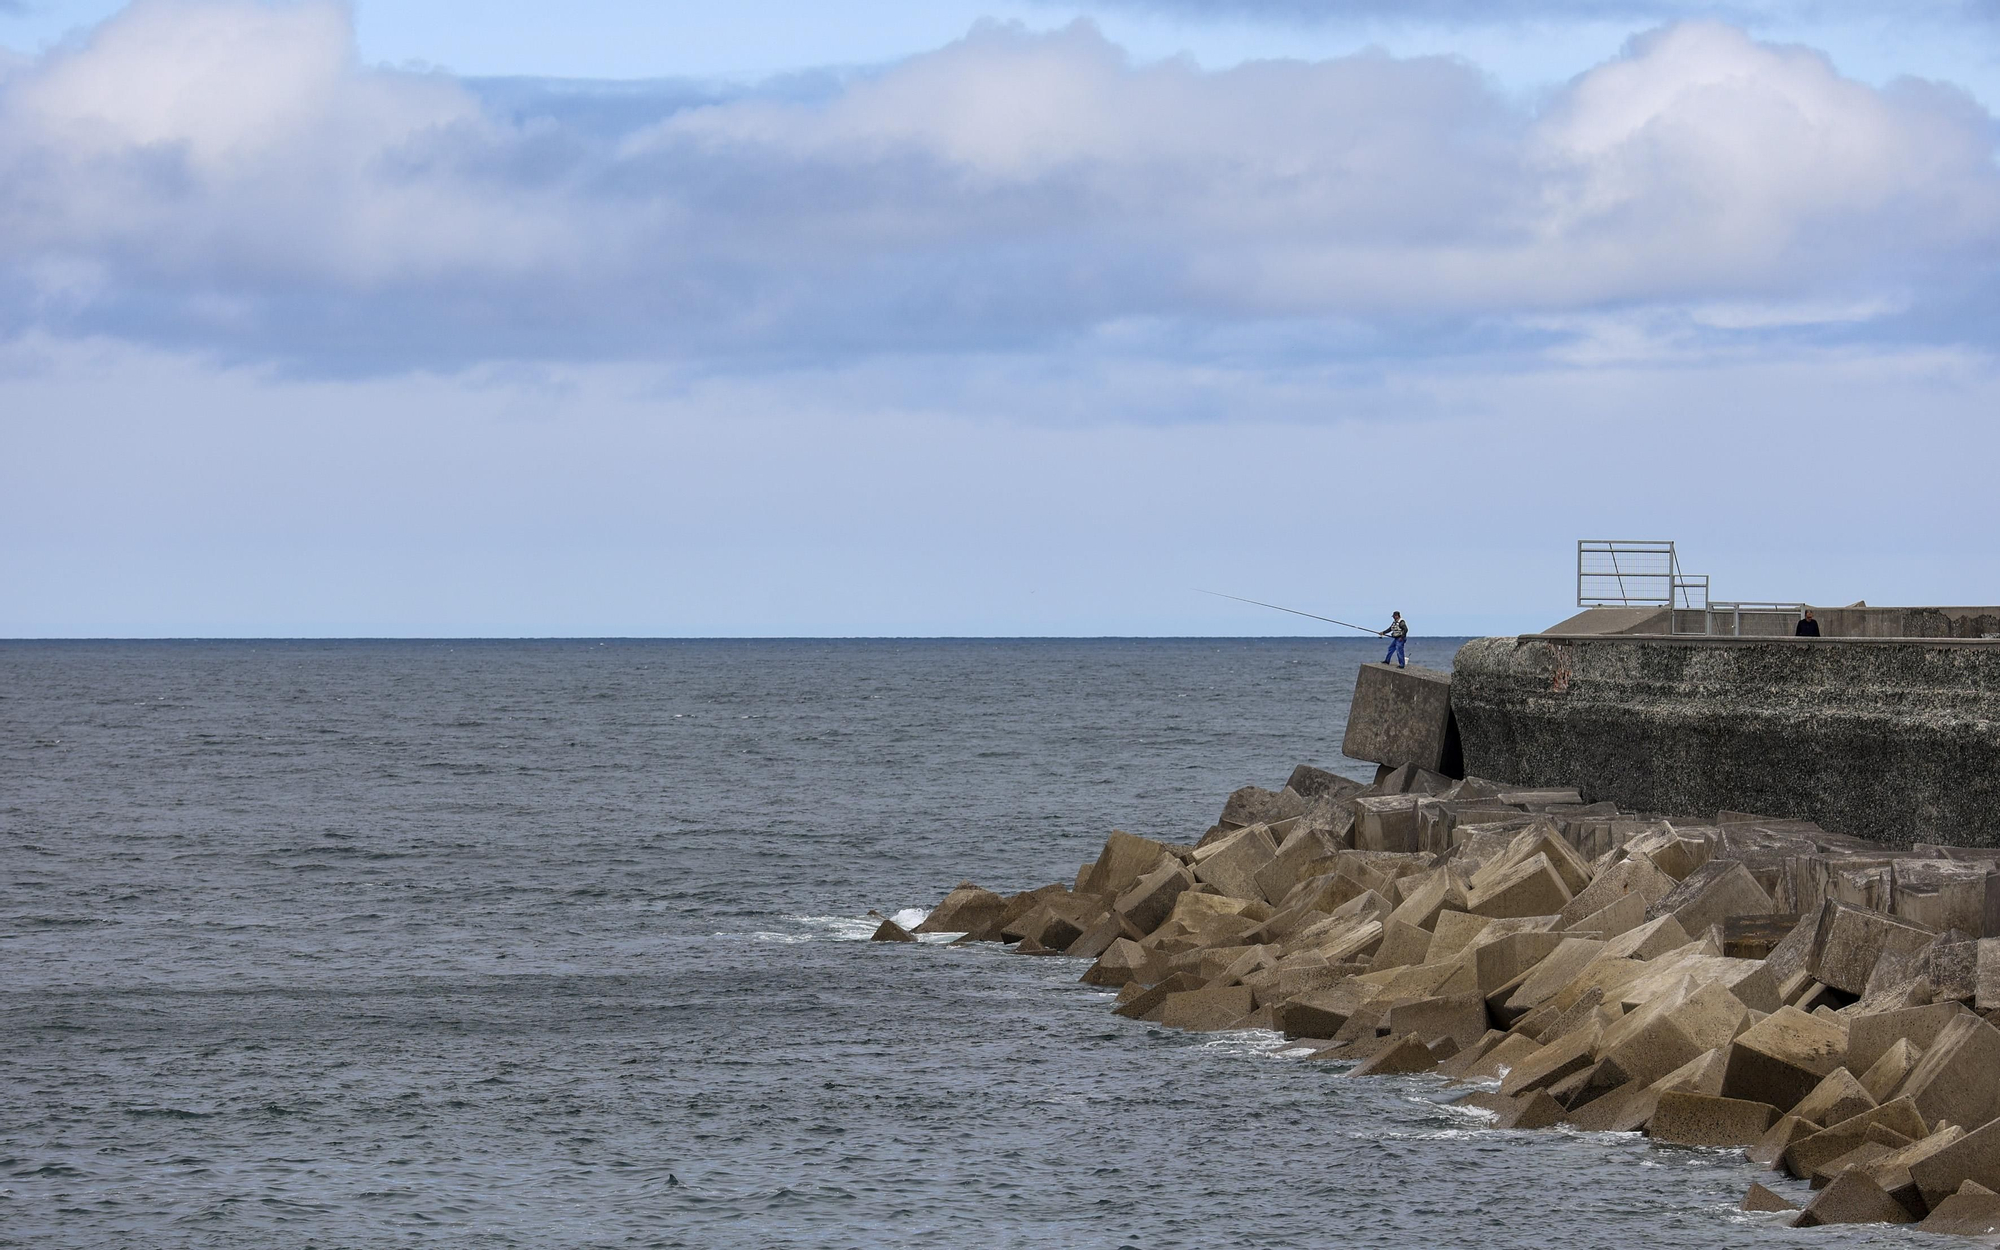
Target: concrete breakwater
(1818,1001)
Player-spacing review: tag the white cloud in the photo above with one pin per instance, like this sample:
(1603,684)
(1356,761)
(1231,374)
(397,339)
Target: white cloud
(224,175)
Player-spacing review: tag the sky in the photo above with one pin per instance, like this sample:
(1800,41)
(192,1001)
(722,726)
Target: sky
(438,318)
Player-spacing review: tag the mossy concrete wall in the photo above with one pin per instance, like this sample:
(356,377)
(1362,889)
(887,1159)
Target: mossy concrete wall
(1897,741)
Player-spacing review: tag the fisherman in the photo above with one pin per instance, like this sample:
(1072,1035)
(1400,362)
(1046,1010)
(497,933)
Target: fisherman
(1397,633)
(1808,627)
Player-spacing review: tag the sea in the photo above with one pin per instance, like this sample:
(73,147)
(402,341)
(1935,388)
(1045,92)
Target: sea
(564,944)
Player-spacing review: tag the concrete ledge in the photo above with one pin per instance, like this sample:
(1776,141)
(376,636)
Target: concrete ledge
(1724,640)
(1896,740)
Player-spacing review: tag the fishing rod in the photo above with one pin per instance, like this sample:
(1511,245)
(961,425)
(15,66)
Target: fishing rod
(1294,611)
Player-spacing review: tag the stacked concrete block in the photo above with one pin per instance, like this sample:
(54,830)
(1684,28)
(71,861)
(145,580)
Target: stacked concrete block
(1723,980)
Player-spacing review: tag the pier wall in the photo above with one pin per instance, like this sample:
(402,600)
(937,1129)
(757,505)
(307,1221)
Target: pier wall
(1896,740)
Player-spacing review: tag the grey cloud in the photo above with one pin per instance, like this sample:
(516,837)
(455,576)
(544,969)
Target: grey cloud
(267,199)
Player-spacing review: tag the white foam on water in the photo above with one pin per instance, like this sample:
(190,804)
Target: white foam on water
(1436,1134)
(1248,1043)
(911,917)
(837,928)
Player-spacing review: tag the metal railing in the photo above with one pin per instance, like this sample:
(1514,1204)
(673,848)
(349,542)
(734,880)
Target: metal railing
(1635,573)
(1646,573)
(1766,619)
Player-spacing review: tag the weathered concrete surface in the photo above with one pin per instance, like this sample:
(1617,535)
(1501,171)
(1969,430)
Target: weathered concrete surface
(1897,741)
(1402,716)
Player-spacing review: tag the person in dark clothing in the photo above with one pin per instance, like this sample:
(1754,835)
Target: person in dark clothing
(1397,633)
(1808,627)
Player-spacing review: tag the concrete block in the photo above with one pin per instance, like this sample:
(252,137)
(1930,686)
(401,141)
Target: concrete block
(1551,1064)
(1498,962)
(1685,1119)
(1533,799)
(1231,864)
(1461,1017)
(1839,1096)
(1731,892)
(1249,805)
(1974,1157)
(1554,971)
(1762,1199)
(1124,859)
(1648,1043)
(1853,1198)
(1702,1075)
(1870,1035)
(1607,1112)
(1893,1124)
(1145,1005)
(1151,899)
(1967,1213)
(967,909)
(1385,823)
(1454,931)
(1311,783)
(1986,975)
(1612,920)
(1300,847)
(1313,1015)
(1456,1066)
(1852,941)
(1402,717)
(1951,965)
(1537,1109)
(1679,857)
(1403,1055)
(1892,1171)
(1097,939)
(1546,1023)
(1435,892)
(1884,1078)
(1543,839)
(1206,1010)
(1781,1058)
(1779,1138)
(1755,937)
(1530,888)
(1120,963)
(1943,894)
(1502,1059)
(1049,929)
(1792,955)
(1402,944)
(1954,1080)
(1713,1016)
(1648,941)
(1580,1089)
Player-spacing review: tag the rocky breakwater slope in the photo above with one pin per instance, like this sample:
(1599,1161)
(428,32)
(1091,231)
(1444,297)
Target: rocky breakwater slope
(1816,1000)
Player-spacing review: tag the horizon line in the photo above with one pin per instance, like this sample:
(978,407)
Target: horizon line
(206,638)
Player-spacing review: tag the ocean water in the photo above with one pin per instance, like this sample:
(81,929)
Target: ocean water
(538,944)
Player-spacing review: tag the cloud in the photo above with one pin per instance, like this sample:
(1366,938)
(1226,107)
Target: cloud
(225,176)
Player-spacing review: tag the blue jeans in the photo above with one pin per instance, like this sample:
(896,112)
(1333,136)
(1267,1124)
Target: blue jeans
(1395,652)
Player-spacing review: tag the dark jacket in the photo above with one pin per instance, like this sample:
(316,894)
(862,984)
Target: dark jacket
(1807,629)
